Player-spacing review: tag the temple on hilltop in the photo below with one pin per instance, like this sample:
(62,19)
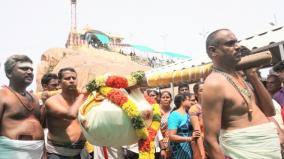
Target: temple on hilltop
(89,37)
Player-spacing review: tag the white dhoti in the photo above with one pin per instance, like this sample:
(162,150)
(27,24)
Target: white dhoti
(23,149)
(260,141)
(64,151)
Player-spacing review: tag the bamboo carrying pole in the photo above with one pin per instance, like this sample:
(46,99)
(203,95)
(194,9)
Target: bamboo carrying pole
(194,74)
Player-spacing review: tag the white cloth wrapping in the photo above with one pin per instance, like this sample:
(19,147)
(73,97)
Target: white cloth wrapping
(112,152)
(20,149)
(260,141)
(53,149)
(62,150)
(108,125)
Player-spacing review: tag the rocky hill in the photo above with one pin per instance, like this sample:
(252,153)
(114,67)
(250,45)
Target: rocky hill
(88,62)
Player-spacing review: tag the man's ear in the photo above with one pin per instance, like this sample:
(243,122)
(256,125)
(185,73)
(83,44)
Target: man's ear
(9,75)
(212,51)
(44,86)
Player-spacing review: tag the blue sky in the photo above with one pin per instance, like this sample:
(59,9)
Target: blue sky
(32,26)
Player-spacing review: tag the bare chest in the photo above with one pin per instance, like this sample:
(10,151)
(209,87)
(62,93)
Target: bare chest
(236,109)
(16,109)
(234,104)
(238,96)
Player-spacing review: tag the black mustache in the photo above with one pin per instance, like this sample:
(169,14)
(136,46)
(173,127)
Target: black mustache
(31,76)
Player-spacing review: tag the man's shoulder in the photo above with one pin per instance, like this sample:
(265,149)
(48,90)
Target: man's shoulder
(53,99)
(214,80)
(4,92)
(3,88)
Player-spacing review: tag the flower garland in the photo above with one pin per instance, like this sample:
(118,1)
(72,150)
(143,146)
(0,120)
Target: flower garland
(147,147)
(109,87)
(116,81)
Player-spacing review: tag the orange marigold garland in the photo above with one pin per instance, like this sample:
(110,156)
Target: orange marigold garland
(116,82)
(117,97)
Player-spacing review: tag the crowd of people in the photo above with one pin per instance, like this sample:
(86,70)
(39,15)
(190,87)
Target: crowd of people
(232,114)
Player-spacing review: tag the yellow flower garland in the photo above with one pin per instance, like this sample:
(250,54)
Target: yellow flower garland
(132,111)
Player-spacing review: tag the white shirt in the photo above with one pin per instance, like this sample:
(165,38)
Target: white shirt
(278,116)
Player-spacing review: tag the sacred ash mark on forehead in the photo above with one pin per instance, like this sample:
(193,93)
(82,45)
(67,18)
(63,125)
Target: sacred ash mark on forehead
(25,64)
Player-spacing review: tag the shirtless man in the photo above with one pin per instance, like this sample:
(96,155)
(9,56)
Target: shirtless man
(49,82)
(50,86)
(65,139)
(21,134)
(233,111)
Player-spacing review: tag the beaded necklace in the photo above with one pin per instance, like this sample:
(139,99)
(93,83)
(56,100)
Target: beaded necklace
(29,105)
(244,91)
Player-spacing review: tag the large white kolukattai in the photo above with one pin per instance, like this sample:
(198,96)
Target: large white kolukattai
(113,117)
(105,123)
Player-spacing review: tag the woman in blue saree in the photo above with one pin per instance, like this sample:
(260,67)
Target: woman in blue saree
(180,129)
